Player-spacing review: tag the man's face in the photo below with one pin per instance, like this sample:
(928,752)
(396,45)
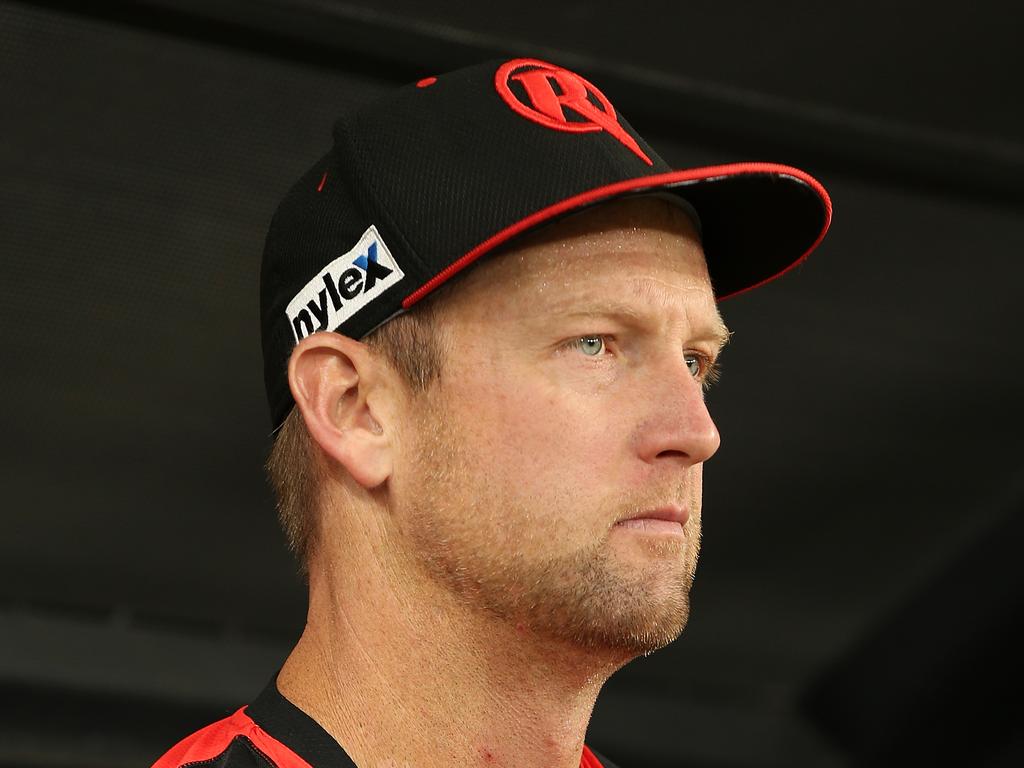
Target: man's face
(555,419)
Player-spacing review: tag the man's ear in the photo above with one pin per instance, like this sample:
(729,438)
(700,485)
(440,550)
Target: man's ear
(332,379)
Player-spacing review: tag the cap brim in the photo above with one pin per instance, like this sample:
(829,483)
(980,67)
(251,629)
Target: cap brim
(758,221)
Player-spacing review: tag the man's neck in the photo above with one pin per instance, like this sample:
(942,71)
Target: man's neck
(401,679)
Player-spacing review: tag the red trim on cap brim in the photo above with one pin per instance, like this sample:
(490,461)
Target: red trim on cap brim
(659,181)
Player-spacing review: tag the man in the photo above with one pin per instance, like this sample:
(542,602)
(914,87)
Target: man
(489,318)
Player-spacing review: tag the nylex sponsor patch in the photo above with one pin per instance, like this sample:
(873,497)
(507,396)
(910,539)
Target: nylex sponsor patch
(344,286)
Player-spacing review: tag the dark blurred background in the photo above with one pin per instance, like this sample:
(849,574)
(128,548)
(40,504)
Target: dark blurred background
(860,598)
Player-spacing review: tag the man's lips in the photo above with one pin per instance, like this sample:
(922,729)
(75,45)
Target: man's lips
(670,518)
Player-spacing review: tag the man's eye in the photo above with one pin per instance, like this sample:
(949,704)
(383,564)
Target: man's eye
(591,346)
(695,363)
(703,368)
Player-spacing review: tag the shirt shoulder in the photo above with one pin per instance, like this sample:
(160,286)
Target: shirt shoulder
(234,742)
(603,762)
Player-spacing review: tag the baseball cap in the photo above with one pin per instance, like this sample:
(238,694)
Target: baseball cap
(421,184)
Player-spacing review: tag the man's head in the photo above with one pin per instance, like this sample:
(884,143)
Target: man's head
(568,397)
(496,351)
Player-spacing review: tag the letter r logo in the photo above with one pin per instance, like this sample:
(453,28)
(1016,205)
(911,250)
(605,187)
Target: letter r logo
(551,90)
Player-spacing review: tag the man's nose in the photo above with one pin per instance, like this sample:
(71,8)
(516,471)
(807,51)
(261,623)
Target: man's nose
(679,424)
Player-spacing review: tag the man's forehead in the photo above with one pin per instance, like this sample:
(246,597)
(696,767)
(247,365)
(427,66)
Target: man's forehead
(624,234)
(629,291)
(633,218)
(644,301)
(641,253)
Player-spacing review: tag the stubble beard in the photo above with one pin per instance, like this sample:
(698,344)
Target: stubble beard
(589,598)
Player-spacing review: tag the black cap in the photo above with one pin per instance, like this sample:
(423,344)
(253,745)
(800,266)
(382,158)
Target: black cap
(422,183)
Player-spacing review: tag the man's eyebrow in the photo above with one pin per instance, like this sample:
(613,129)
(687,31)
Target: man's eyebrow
(617,311)
(719,333)
(722,336)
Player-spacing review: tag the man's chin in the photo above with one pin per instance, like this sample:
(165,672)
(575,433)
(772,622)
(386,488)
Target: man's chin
(618,627)
(645,637)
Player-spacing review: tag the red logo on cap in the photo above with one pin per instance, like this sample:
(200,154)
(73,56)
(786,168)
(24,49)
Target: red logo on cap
(550,90)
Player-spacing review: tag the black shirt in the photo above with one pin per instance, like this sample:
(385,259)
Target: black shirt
(274,733)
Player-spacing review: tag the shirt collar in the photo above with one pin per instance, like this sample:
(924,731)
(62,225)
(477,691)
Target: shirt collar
(304,736)
(272,712)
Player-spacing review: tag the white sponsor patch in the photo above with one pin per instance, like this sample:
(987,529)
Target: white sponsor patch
(344,286)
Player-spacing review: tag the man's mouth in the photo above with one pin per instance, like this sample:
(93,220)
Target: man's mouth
(667,519)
